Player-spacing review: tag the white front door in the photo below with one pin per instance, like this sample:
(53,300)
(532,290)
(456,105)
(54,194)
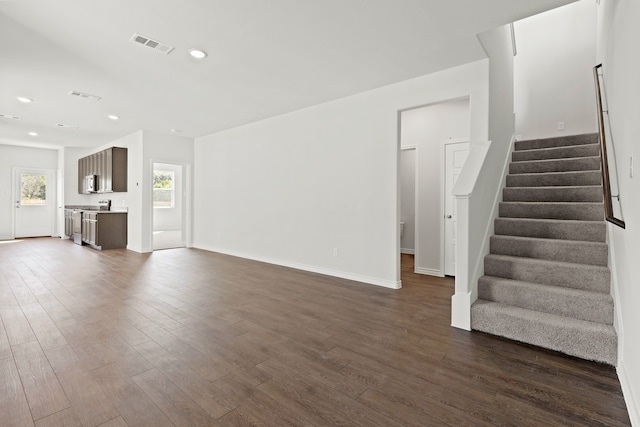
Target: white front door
(454,158)
(34,199)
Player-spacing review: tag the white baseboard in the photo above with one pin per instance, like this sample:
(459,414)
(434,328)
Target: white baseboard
(629,396)
(138,249)
(305,267)
(407,251)
(429,271)
(6,238)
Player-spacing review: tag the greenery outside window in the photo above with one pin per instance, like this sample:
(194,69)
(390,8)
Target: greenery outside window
(34,189)
(163,189)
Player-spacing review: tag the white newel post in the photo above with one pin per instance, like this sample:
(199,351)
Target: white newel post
(461,300)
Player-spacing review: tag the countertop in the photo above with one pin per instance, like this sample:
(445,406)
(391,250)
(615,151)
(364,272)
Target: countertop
(96,208)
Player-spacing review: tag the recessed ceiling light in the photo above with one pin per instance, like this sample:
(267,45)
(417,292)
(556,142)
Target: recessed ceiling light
(198,53)
(176,130)
(33,133)
(113,117)
(24,99)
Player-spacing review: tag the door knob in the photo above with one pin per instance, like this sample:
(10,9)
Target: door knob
(448,217)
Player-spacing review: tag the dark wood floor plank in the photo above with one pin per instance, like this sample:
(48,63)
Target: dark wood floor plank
(209,366)
(64,418)
(197,387)
(14,409)
(116,422)
(133,404)
(44,393)
(5,347)
(87,399)
(172,401)
(315,372)
(210,338)
(16,326)
(253,404)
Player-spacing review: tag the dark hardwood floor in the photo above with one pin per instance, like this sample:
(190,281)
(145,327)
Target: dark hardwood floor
(187,337)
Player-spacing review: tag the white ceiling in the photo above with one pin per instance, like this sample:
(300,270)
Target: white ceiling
(265,58)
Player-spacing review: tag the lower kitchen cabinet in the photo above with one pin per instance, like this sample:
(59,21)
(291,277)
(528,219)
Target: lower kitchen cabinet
(104,230)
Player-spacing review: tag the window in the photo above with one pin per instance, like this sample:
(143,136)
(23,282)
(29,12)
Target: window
(34,189)
(163,191)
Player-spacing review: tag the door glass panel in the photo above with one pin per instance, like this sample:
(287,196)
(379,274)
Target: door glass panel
(33,188)
(163,194)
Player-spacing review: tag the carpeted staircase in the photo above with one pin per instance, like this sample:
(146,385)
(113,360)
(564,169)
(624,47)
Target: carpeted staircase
(546,278)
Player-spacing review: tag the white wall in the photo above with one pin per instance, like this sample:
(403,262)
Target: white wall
(553,71)
(408,200)
(290,189)
(27,157)
(618,47)
(170,218)
(427,128)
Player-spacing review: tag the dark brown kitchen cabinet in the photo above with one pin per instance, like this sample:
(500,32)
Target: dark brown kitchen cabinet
(109,169)
(104,230)
(89,227)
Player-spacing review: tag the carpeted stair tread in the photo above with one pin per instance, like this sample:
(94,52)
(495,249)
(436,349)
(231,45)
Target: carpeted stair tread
(579,304)
(585,211)
(572,178)
(573,251)
(589,231)
(587,150)
(547,272)
(587,340)
(591,193)
(555,165)
(546,280)
(560,141)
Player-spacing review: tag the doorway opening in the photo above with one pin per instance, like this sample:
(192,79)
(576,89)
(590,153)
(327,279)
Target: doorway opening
(169,206)
(425,131)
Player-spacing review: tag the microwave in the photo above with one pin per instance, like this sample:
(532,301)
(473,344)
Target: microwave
(91,183)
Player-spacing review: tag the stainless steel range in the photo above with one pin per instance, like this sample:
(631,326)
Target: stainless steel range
(76,217)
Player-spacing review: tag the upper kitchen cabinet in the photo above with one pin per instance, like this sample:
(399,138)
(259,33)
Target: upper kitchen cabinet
(103,172)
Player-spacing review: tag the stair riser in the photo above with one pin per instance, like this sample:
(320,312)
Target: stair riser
(576,211)
(597,345)
(557,142)
(553,250)
(581,178)
(562,165)
(573,276)
(531,297)
(552,194)
(592,150)
(586,231)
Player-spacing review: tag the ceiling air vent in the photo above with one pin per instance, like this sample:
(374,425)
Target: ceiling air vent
(85,95)
(61,125)
(153,44)
(9,116)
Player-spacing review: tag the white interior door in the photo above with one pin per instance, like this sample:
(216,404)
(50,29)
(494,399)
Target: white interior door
(34,197)
(454,158)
